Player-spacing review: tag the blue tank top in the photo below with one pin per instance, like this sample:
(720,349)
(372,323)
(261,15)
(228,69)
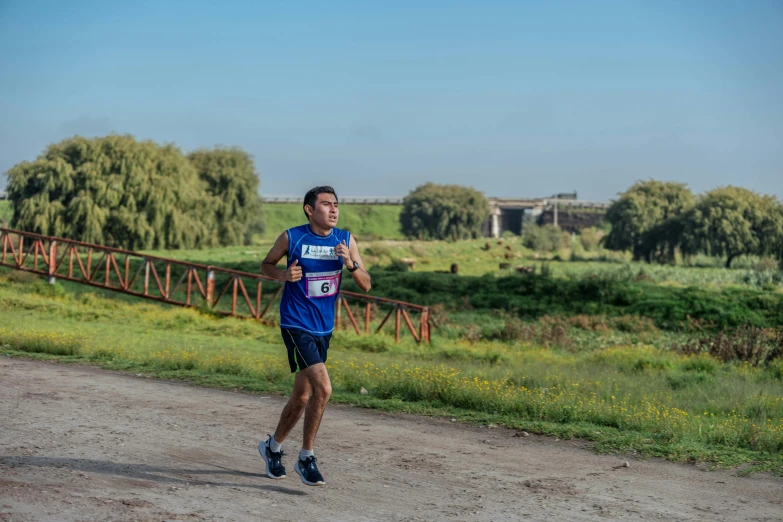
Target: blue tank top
(309,303)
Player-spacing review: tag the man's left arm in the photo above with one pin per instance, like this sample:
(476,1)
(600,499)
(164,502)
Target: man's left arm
(351,254)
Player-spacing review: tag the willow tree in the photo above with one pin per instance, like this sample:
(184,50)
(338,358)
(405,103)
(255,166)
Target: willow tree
(645,219)
(113,191)
(232,183)
(434,211)
(734,221)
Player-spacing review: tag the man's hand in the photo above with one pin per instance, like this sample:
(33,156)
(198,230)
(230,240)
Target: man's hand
(350,254)
(344,252)
(294,272)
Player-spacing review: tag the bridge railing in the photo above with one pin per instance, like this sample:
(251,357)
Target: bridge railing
(182,283)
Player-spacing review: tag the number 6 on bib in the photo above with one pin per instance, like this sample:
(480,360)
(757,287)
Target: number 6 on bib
(322,284)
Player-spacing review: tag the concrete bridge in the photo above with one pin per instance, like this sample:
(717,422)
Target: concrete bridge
(510,214)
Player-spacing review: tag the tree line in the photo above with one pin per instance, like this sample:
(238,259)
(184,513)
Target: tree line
(138,195)
(655,220)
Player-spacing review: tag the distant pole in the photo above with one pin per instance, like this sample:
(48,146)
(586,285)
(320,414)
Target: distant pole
(556,209)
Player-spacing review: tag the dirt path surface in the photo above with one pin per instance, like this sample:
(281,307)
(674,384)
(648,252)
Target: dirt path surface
(79,443)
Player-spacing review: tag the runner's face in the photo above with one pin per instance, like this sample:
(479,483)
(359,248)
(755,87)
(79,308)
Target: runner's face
(325,212)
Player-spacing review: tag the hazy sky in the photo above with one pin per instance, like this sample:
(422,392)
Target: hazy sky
(514,98)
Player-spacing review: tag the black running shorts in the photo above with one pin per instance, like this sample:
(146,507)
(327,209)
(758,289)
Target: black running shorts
(304,349)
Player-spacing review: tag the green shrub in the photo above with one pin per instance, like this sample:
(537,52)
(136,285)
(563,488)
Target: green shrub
(747,343)
(535,295)
(41,342)
(767,264)
(546,238)
(397,265)
(700,364)
(680,380)
(590,239)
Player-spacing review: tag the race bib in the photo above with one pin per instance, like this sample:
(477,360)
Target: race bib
(322,284)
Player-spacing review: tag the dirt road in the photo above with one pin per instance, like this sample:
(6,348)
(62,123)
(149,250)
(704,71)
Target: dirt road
(78,443)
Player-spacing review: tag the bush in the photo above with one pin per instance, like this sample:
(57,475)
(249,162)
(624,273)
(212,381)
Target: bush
(546,238)
(590,239)
(397,266)
(763,279)
(533,295)
(749,344)
(767,264)
(443,212)
(41,342)
(679,380)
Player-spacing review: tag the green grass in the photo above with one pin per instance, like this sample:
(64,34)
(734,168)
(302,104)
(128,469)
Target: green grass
(533,295)
(6,212)
(481,257)
(569,288)
(603,379)
(367,222)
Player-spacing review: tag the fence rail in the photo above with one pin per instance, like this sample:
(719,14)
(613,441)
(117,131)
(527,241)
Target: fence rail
(182,283)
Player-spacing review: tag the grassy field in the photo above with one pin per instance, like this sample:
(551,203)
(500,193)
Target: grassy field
(481,257)
(618,382)
(5,211)
(601,284)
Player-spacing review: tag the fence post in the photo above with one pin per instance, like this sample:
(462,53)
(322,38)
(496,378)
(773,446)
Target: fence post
(52,260)
(234,296)
(210,286)
(258,299)
(190,286)
(397,325)
(424,333)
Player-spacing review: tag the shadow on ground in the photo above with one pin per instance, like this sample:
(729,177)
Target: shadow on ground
(160,474)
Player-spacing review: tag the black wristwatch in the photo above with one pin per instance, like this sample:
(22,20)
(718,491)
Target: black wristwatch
(355,267)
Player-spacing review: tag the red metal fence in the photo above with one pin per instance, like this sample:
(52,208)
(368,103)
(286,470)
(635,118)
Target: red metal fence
(181,283)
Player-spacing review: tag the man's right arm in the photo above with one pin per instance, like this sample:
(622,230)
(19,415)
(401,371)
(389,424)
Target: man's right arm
(276,253)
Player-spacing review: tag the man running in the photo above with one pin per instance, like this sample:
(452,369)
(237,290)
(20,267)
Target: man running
(316,254)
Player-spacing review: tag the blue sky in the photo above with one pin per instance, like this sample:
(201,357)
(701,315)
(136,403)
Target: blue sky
(513,98)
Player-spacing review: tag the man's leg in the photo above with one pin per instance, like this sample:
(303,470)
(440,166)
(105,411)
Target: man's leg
(292,412)
(321,388)
(270,449)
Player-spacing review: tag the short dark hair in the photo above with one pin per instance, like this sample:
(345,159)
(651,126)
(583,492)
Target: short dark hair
(312,196)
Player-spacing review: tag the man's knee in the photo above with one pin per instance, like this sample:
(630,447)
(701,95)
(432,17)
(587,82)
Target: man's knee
(324,390)
(299,400)
(319,381)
